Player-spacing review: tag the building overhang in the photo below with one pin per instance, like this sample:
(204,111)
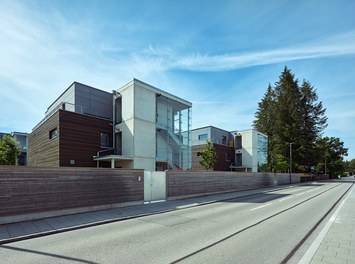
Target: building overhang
(111,158)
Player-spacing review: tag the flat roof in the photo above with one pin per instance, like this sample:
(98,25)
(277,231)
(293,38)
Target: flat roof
(157,91)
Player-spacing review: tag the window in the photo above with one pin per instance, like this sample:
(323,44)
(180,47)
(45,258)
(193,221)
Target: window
(106,140)
(53,133)
(202,136)
(238,142)
(224,140)
(198,154)
(227,157)
(238,159)
(118,110)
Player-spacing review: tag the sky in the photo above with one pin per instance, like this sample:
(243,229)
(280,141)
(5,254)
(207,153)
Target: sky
(218,54)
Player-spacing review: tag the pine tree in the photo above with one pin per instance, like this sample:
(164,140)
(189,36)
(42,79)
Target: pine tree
(314,122)
(289,113)
(287,116)
(264,120)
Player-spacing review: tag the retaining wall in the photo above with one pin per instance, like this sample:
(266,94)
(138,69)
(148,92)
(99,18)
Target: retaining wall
(182,184)
(30,193)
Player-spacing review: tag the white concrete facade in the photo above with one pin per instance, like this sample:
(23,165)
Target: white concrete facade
(253,146)
(144,125)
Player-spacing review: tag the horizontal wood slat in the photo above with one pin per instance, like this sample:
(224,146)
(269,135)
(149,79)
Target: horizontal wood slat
(192,183)
(29,190)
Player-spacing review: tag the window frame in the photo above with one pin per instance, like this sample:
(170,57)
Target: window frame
(203,136)
(53,133)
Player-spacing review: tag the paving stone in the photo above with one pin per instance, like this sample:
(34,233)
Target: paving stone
(15,230)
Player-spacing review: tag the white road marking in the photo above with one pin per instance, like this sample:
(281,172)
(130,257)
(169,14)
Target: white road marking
(284,199)
(299,194)
(187,206)
(256,208)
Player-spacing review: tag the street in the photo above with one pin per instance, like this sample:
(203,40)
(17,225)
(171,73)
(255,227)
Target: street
(263,228)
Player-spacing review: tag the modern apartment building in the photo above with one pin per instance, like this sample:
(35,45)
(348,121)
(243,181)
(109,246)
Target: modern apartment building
(244,150)
(250,150)
(22,139)
(137,126)
(222,142)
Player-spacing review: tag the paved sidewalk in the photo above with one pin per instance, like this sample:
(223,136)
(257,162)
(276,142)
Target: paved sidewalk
(338,243)
(35,228)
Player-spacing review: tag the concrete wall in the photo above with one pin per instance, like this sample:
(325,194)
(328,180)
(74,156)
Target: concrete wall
(249,150)
(127,125)
(144,128)
(30,193)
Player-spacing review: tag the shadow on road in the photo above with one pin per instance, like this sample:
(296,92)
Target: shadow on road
(47,254)
(258,198)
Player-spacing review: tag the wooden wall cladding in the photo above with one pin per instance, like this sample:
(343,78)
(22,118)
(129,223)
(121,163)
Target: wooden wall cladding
(27,190)
(80,138)
(43,151)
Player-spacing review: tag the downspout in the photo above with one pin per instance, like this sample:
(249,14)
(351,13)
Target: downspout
(113,121)
(115,95)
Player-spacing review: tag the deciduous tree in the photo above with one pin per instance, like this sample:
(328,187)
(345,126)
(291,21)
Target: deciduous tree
(209,156)
(9,150)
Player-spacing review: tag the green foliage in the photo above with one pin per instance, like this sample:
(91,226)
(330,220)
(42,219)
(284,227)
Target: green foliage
(280,163)
(9,150)
(330,153)
(350,166)
(209,156)
(287,113)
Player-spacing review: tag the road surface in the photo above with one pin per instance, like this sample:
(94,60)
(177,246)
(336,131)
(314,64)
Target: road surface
(264,228)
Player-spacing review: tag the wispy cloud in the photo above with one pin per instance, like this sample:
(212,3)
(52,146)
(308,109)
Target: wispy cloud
(200,62)
(164,58)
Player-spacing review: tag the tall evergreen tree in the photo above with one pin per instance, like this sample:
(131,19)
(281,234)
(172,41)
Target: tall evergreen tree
(290,113)
(287,116)
(264,120)
(314,122)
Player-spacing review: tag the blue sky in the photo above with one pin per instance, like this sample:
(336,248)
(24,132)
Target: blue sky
(220,55)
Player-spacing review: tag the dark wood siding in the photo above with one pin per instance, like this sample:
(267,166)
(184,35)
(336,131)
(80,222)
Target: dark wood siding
(225,156)
(80,138)
(43,151)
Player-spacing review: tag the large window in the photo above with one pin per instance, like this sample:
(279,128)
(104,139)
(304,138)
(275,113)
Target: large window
(262,151)
(106,140)
(202,137)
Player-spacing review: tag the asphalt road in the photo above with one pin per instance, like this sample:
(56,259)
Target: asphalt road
(263,228)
